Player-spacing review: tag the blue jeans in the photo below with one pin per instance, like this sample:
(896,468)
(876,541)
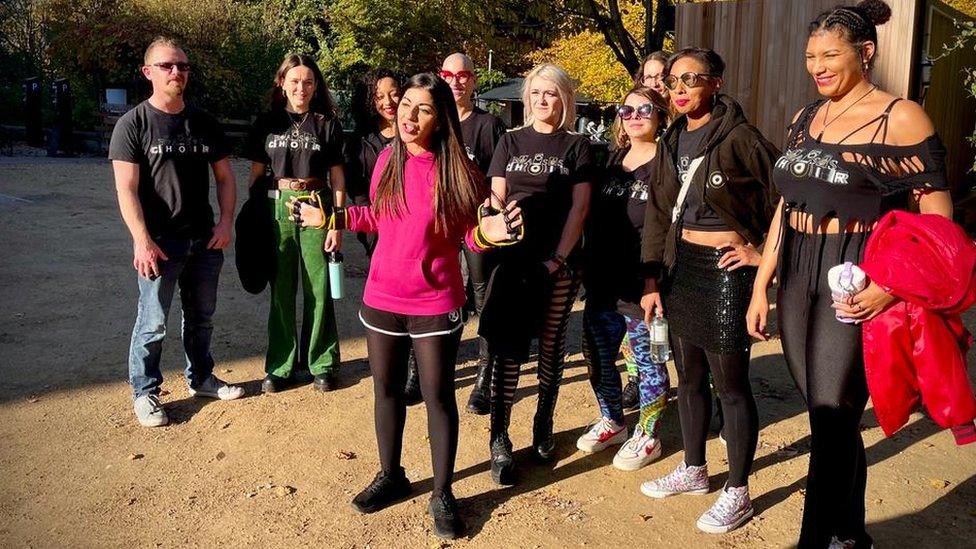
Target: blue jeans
(195,269)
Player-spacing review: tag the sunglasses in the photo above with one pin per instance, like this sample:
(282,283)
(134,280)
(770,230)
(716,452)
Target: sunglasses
(461,76)
(651,79)
(689,79)
(626,112)
(168,67)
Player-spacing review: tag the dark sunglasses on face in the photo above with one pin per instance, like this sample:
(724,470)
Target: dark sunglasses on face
(689,79)
(461,76)
(168,67)
(644,111)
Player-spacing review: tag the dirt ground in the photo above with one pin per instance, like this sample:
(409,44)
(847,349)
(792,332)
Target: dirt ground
(76,470)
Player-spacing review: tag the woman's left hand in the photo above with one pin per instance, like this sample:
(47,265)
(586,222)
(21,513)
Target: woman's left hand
(739,255)
(333,241)
(866,304)
(497,227)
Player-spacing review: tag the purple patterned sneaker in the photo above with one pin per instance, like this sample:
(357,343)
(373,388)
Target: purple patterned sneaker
(683,480)
(732,508)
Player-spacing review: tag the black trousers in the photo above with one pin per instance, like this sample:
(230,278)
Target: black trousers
(826,359)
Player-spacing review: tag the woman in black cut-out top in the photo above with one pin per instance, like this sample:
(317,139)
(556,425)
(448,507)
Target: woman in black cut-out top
(850,158)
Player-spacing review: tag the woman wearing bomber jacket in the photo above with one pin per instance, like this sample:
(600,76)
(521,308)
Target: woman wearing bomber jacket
(706,220)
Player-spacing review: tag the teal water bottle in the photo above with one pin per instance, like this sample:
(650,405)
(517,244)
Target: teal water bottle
(337,282)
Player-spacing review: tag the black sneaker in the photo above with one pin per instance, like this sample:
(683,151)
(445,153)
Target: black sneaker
(411,390)
(502,462)
(443,509)
(385,490)
(325,382)
(630,398)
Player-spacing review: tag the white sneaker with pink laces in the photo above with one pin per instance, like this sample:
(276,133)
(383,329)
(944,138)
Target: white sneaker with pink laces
(684,479)
(602,434)
(732,508)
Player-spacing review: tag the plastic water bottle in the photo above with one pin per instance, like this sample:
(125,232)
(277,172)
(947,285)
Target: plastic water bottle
(337,276)
(660,345)
(845,280)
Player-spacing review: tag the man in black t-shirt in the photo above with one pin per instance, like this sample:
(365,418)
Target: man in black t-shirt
(162,152)
(481,132)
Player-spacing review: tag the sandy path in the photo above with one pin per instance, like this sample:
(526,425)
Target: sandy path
(76,470)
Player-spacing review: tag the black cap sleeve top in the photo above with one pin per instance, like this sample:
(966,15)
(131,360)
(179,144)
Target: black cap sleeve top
(296,145)
(855,182)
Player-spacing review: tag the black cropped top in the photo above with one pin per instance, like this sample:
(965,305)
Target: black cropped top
(855,182)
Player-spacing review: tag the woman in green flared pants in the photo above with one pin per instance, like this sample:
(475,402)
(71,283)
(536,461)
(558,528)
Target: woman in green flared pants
(299,143)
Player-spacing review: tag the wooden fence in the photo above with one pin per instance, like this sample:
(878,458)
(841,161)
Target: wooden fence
(763,44)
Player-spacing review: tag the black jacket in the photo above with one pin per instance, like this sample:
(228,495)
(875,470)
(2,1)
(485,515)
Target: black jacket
(734,177)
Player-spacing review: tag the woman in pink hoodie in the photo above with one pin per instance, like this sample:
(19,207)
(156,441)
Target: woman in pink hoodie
(424,202)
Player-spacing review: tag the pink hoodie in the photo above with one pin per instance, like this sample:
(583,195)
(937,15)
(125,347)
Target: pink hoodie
(414,269)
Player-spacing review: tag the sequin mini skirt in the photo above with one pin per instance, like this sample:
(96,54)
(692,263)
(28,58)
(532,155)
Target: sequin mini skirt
(706,305)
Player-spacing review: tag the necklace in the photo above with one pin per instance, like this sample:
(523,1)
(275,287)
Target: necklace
(827,113)
(296,126)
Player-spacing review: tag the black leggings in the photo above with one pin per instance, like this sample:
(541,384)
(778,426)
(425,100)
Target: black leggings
(552,349)
(730,374)
(826,360)
(436,359)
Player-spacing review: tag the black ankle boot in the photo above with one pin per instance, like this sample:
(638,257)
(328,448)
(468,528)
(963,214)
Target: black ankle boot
(480,400)
(273,384)
(325,382)
(502,462)
(447,520)
(386,489)
(543,445)
(411,391)
(630,398)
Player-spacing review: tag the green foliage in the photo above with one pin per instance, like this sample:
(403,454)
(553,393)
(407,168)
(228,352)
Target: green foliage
(488,80)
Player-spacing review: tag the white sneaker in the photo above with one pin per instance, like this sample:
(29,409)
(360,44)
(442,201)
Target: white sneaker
(601,435)
(732,508)
(213,387)
(685,479)
(149,411)
(637,452)
(836,543)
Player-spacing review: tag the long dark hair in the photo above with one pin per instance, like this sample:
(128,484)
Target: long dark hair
(363,99)
(457,193)
(321,102)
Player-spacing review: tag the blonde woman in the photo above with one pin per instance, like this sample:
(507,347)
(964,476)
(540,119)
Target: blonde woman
(545,168)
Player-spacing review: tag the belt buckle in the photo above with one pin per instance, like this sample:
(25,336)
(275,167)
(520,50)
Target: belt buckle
(296,184)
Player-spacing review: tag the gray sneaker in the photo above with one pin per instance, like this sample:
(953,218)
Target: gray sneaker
(213,387)
(149,411)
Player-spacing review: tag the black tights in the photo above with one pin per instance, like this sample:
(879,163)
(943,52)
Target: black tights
(826,360)
(436,359)
(552,349)
(730,374)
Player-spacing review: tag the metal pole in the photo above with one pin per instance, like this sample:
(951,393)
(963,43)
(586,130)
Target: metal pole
(490,52)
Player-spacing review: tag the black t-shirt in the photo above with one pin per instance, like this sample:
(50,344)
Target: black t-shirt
(697,215)
(295,145)
(361,153)
(481,131)
(174,153)
(540,171)
(613,236)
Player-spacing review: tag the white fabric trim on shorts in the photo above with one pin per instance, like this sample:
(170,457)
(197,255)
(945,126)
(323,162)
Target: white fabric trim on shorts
(408,334)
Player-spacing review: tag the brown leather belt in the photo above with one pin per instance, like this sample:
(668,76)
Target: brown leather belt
(300,184)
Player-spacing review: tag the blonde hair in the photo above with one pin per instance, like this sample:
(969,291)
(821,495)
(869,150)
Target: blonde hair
(565,88)
(158,42)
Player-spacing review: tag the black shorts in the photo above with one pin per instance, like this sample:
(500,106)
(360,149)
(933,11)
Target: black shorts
(415,326)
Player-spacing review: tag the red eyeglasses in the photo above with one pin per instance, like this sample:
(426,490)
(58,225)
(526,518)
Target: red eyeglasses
(461,76)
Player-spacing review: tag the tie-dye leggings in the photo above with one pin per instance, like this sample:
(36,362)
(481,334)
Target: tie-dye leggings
(603,333)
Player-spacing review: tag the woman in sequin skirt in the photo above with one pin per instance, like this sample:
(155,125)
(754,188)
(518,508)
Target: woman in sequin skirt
(706,220)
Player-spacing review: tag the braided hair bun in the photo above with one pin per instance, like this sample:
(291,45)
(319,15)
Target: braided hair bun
(876,11)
